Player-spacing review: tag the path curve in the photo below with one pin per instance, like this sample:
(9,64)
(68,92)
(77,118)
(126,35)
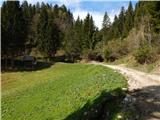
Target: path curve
(136,79)
(144,92)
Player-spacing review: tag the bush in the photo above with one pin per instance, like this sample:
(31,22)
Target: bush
(85,54)
(92,55)
(115,49)
(145,54)
(98,52)
(107,54)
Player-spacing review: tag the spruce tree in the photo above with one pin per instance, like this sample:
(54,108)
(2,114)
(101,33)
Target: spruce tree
(37,7)
(129,20)
(121,24)
(86,32)
(115,30)
(13,35)
(88,29)
(42,29)
(105,27)
(91,41)
(48,34)
(106,21)
(56,11)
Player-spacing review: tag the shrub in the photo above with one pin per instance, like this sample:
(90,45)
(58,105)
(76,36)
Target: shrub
(107,54)
(95,54)
(115,49)
(145,54)
(85,54)
(99,52)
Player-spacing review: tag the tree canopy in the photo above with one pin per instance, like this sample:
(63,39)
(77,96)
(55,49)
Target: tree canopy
(48,29)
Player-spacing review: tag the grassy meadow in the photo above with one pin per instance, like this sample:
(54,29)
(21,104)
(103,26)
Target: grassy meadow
(56,92)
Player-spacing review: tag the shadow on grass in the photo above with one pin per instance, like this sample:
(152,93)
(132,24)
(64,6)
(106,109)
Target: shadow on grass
(19,65)
(107,105)
(147,105)
(143,104)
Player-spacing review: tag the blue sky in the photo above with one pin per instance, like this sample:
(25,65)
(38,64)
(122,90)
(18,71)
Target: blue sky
(95,7)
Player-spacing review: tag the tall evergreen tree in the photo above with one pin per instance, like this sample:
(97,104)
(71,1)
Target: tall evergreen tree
(139,13)
(92,30)
(28,15)
(12,29)
(37,7)
(115,30)
(106,21)
(121,24)
(74,38)
(129,21)
(86,31)
(106,24)
(48,34)
(89,29)
(56,11)
(42,29)
(153,10)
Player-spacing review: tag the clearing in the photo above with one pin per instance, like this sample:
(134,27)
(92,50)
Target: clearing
(57,92)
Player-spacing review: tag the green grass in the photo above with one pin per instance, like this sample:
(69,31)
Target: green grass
(56,92)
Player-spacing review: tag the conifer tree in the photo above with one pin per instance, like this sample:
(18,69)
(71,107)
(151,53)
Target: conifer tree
(89,29)
(129,20)
(48,34)
(13,37)
(115,29)
(86,31)
(121,24)
(106,21)
(105,27)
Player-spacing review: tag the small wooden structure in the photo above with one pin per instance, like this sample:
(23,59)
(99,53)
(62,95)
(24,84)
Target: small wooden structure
(29,62)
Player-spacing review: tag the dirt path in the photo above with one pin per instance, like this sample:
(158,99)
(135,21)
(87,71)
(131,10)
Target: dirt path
(136,79)
(144,92)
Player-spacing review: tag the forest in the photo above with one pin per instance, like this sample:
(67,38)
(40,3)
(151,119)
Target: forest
(46,31)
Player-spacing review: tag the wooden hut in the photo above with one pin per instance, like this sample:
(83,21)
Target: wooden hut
(29,62)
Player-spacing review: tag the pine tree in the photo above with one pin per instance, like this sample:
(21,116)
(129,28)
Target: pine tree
(27,14)
(73,42)
(139,13)
(92,30)
(105,27)
(48,34)
(86,31)
(56,10)
(78,34)
(129,20)
(115,30)
(37,7)
(153,10)
(13,37)
(42,29)
(106,21)
(89,29)
(52,38)
(121,24)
